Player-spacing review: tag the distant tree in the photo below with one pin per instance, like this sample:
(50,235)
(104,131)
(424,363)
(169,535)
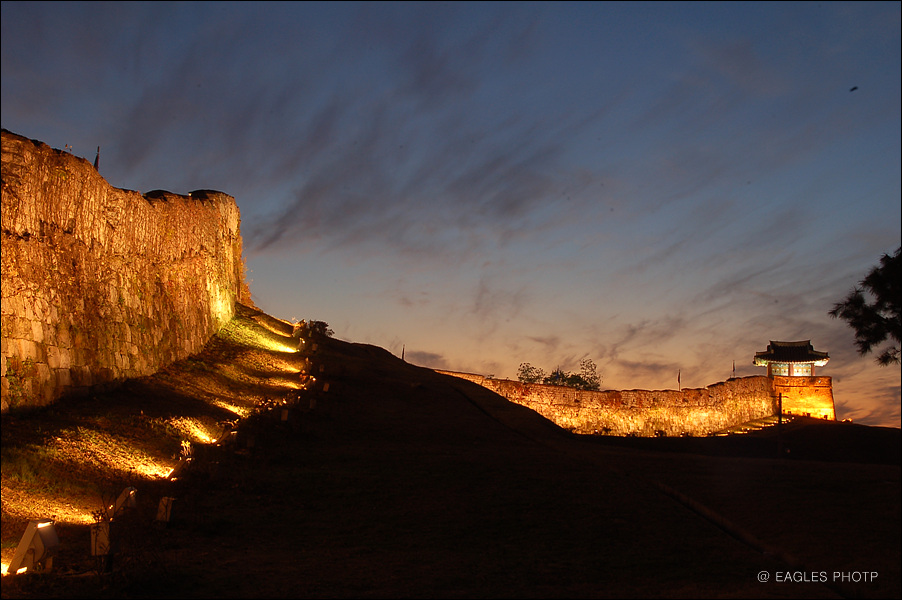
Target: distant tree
(872,309)
(586,379)
(322,328)
(589,375)
(557,377)
(530,374)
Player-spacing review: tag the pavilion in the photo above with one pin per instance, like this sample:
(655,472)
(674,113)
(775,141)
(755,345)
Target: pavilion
(791,359)
(790,366)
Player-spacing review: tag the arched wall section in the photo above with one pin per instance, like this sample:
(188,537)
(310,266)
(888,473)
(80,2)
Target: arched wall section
(689,411)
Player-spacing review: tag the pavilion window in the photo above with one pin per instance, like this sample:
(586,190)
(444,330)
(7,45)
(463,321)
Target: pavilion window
(802,369)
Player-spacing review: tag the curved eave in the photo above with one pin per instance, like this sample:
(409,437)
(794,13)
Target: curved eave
(763,362)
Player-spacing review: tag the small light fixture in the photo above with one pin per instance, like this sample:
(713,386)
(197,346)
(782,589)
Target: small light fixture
(181,466)
(126,500)
(102,540)
(164,510)
(36,549)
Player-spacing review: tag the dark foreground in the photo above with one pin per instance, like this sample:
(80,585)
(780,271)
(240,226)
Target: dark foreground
(405,483)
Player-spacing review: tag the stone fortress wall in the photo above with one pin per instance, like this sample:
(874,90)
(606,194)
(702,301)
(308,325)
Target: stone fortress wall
(102,284)
(646,413)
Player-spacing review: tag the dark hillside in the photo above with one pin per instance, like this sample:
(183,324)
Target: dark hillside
(401,482)
(803,438)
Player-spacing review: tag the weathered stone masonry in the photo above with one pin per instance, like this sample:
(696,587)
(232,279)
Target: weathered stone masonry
(694,411)
(102,284)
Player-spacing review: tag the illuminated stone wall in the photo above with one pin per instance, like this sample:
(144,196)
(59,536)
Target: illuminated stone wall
(695,411)
(807,396)
(102,284)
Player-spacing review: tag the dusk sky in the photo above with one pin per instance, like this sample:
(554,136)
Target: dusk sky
(660,187)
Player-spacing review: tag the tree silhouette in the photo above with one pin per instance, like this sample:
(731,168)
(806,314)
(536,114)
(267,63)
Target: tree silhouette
(588,375)
(530,374)
(586,379)
(558,377)
(872,309)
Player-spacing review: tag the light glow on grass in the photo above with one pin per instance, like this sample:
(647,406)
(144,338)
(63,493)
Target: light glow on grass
(268,343)
(263,338)
(268,367)
(240,411)
(194,430)
(291,382)
(25,504)
(5,569)
(265,324)
(284,365)
(115,452)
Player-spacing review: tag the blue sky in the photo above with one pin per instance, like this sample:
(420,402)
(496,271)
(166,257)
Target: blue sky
(660,187)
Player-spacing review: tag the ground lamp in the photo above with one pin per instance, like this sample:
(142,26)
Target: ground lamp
(181,466)
(36,549)
(103,543)
(164,510)
(127,499)
(103,535)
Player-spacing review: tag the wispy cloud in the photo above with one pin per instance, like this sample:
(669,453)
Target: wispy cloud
(427,359)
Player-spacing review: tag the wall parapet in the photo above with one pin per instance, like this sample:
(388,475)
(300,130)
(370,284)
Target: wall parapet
(646,413)
(102,284)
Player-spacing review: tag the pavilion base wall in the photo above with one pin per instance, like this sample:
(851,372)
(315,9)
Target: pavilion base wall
(806,396)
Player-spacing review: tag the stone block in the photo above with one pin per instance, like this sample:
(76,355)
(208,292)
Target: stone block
(53,357)
(37,331)
(8,305)
(29,350)
(63,378)
(29,309)
(81,376)
(63,336)
(64,358)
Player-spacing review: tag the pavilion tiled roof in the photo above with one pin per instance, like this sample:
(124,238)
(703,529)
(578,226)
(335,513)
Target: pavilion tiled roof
(790,352)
